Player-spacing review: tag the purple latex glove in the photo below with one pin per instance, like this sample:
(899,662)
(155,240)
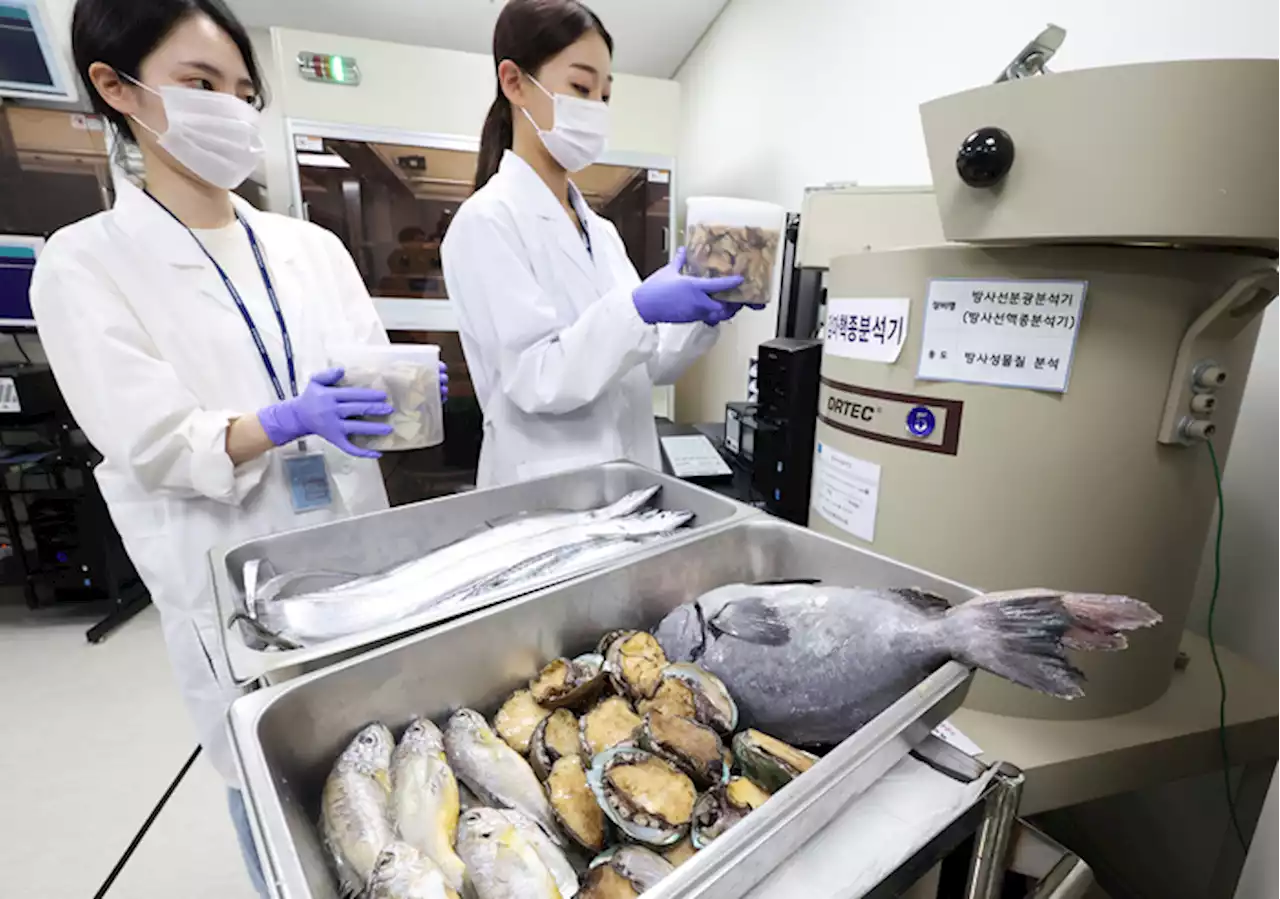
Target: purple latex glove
(330,412)
(668,296)
(444,382)
(735,308)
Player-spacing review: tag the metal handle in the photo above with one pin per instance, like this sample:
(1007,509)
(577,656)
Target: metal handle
(1034,56)
(991,851)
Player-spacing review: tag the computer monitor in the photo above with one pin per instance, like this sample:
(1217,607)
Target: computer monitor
(30,66)
(17,264)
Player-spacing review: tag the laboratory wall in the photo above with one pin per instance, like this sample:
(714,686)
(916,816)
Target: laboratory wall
(778,97)
(426,90)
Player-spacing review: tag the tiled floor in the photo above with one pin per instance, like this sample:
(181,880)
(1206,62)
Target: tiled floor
(92,737)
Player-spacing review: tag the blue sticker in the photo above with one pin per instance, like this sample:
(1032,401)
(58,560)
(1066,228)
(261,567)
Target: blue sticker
(921,421)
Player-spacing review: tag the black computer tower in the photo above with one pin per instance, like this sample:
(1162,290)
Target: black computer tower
(787,417)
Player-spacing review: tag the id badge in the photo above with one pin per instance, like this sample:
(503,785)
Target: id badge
(309,486)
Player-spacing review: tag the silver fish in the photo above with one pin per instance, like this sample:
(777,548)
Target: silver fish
(453,575)
(556,861)
(424,798)
(494,771)
(353,807)
(403,872)
(501,862)
(488,540)
(810,664)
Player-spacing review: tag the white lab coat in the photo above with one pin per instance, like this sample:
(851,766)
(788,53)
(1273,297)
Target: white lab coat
(562,364)
(154,360)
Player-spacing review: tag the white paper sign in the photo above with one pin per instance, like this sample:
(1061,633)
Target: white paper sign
(9,402)
(694,457)
(869,329)
(847,491)
(949,733)
(1003,333)
(308,144)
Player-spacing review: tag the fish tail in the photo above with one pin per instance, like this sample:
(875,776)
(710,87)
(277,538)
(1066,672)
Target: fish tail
(1019,638)
(630,504)
(1024,635)
(453,868)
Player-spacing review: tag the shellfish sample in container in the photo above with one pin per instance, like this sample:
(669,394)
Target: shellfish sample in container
(409,373)
(725,236)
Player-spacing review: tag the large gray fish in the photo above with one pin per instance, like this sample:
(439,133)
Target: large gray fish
(501,862)
(518,551)
(810,664)
(424,798)
(494,771)
(353,807)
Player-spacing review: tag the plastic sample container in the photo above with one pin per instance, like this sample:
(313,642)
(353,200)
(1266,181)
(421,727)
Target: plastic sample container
(409,373)
(724,236)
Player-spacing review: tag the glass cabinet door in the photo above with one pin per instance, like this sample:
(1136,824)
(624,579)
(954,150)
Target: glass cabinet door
(391,204)
(53,169)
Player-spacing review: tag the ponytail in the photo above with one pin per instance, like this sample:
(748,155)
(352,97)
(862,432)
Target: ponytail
(495,139)
(528,32)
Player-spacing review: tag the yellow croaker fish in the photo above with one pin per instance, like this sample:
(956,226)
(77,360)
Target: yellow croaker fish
(424,798)
(494,771)
(354,806)
(501,862)
(403,872)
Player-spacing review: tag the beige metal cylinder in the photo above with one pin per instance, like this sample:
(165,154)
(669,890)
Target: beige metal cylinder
(1055,490)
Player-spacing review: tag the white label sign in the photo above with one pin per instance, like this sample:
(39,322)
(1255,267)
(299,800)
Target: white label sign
(847,491)
(693,456)
(869,329)
(308,144)
(949,733)
(9,402)
(659,176)
(1003,333)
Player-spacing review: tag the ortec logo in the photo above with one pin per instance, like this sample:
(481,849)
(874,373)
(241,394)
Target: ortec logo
(850,409)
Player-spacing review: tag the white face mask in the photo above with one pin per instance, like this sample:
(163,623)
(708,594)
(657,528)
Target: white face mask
(215,136)
(580,130)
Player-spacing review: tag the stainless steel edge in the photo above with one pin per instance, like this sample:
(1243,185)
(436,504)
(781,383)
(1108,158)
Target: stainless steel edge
(247,664)
(266,858)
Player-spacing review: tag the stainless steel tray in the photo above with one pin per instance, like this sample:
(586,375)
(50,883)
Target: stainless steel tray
(286,737)
(372,543)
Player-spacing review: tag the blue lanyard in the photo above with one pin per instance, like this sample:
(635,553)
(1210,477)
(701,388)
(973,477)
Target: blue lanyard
(244,311)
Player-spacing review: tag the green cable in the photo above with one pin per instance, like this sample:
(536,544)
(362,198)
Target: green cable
(1213,649)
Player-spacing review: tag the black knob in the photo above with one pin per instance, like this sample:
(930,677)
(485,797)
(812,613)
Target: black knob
(985,157)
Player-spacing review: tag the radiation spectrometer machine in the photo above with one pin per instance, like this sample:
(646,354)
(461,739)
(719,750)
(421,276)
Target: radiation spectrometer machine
(1028,402)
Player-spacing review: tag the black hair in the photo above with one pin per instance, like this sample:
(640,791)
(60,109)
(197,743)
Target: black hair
(411,233)
(529,32)
(122,33)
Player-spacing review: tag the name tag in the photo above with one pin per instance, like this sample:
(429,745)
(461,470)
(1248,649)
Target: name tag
(309,485)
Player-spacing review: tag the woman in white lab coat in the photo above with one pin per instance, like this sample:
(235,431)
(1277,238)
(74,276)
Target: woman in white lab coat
(563,341)
(196,339)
